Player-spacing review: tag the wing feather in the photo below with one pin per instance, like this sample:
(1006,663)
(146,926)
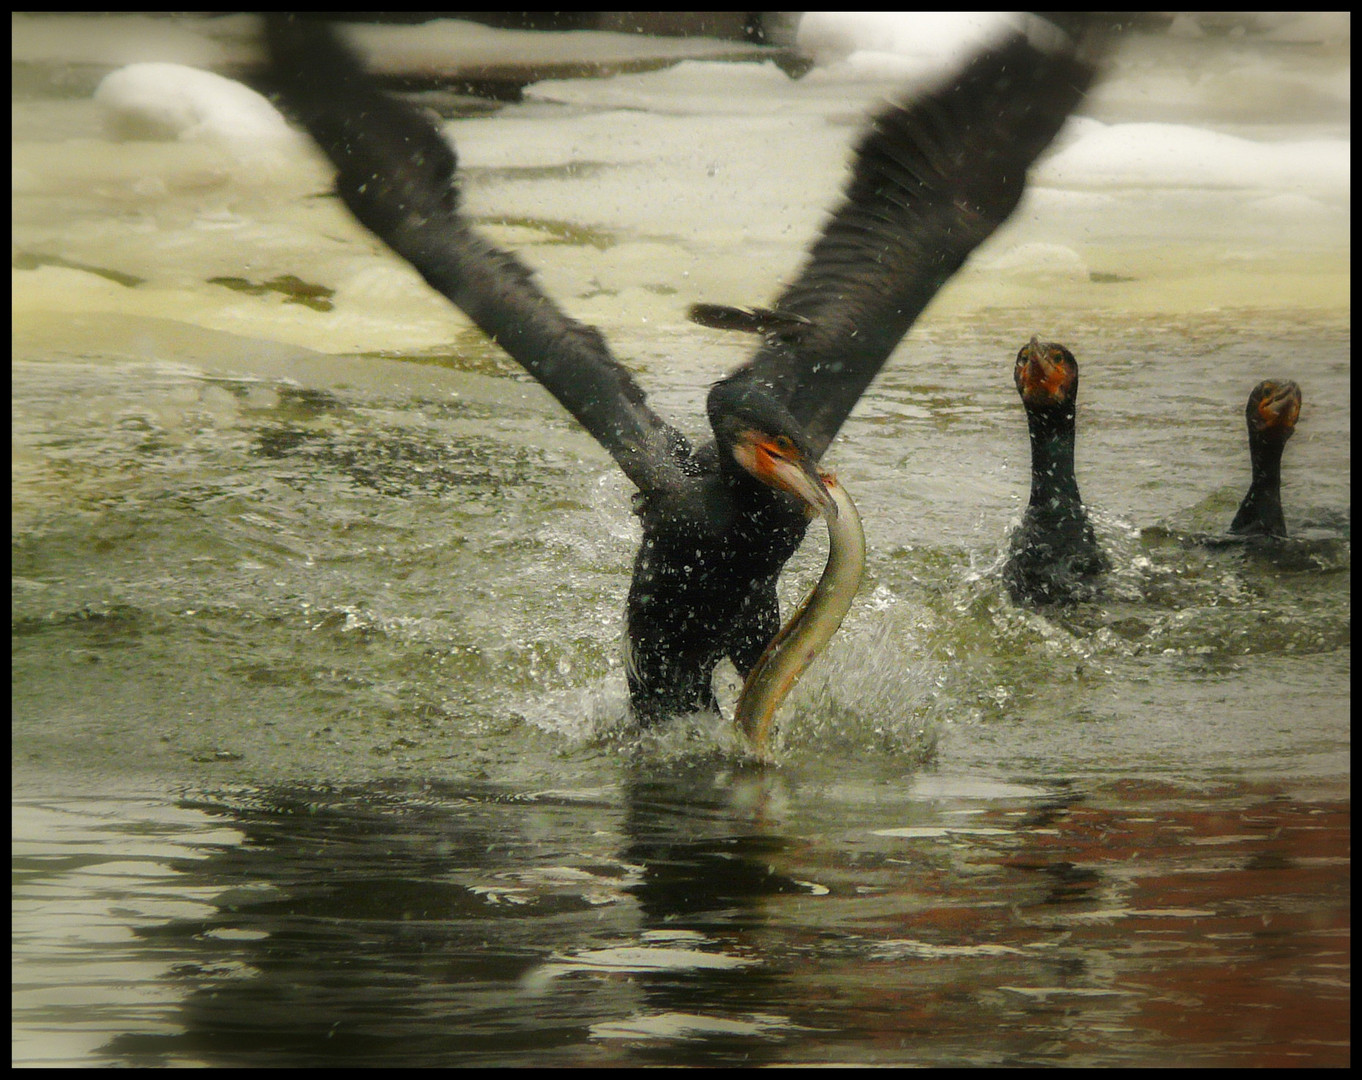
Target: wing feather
(397,174)
(932,179)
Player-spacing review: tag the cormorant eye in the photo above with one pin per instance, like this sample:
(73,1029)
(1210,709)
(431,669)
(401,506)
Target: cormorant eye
(785,445)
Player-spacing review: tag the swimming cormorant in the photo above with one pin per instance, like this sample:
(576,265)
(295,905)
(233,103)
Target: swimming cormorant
(1272,410)
(1053,556)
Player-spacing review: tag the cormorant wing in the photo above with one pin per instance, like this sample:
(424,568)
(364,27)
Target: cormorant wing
(396,173)
(931,180)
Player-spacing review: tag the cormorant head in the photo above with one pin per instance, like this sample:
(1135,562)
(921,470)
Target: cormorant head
(757,432)
(1046,375)
(1272,411)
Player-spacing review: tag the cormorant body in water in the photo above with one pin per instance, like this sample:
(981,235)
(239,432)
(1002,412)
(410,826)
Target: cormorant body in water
(1053,556)
(1320,541)
(935,175)
(1272,410)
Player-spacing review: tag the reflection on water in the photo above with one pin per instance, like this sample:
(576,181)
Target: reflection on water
(691,915)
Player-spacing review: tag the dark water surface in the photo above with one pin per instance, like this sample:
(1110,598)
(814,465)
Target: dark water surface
(692,915)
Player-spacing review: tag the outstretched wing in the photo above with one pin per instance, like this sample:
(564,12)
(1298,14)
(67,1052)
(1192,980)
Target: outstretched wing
(396,173)
(932,179)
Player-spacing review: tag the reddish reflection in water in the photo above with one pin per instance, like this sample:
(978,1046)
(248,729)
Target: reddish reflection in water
(1137,923)
(1262,978)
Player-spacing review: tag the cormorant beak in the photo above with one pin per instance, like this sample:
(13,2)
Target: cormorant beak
(777,462)
(1042,376)
(1280,406)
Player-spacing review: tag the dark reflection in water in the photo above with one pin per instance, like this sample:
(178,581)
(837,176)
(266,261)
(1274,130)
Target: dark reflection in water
(676,920)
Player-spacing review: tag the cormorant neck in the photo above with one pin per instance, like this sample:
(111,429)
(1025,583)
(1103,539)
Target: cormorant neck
(1054,488)
(1261,511)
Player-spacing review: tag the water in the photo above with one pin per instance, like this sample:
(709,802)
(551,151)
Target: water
(691,914)
(320,750)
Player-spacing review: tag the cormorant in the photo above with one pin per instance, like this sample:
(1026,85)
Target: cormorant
(1272,410)
(1053,556)
(934,176)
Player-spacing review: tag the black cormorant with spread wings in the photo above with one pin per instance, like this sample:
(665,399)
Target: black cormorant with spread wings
(932,178)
